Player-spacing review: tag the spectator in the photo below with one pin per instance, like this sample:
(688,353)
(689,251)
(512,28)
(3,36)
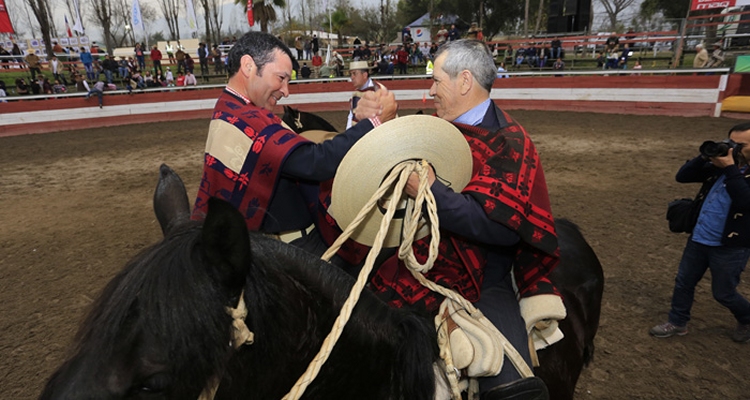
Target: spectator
(190,79)
(612,59)
(169,78)
(21,86)
(520,57)
(308,49)
(298,47)
(622,62)
(359,74)
(3,92)
(454,34)
(4,57)
(601,61)
(559,65)
(317,62)
(338,61)
(88,64)
(46,85)
(180,57)
(57,50)
(718,241)
(17,53)
(556,46)
(701,56)
(122,68)
(218,64)
(35,66)
(189,63)
(305,71)
(531,56)
(315,45)
(501,71)
(402,60)
(59,88)
(109,66)
(180,79)
(442,34)
(97,89)
(156,60)
(170,52)
(57,68)
(140,56)
(717,57)
(203,60)
(612,43)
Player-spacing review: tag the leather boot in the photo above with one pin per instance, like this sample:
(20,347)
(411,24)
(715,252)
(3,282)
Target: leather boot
(523,389)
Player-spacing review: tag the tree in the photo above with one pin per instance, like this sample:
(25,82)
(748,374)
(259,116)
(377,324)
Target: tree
(614,8)
(40,9)
(339,21)
(263,11)
(671,9)
(170,9)
(493,15)
(103,10)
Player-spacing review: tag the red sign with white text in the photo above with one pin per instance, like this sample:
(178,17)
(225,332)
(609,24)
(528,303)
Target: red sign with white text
(698,5)
(5,25)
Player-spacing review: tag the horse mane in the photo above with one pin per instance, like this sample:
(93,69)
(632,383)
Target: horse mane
(149,294)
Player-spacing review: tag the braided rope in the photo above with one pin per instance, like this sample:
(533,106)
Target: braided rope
(406,253)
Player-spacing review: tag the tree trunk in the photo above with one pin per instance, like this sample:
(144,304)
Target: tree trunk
(539,17)
(526,20)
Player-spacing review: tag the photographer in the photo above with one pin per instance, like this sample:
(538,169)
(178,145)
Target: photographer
(720,240)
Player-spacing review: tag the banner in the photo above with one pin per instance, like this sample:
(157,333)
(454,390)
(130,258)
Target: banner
(67,27)
(250,18)
(191,20)
(77,25)
(136,17)
(5,25)
(698,5)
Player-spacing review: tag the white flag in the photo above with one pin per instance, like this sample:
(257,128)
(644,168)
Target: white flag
(137,18)
(77,25)
(192,24)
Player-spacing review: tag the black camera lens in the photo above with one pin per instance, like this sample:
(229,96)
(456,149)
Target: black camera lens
(710,149)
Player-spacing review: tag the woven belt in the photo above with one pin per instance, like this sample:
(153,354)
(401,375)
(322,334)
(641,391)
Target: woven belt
(289,236)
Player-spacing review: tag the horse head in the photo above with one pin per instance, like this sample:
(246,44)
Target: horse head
(160,329)
(140,338)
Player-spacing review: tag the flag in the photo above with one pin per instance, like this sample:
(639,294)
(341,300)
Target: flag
(136,16)
(191,20)
(250,18)
(67,27)
(77,25)
(5,25)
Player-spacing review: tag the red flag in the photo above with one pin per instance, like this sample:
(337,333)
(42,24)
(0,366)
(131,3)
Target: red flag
(5,25)
(67,27)
(250,19)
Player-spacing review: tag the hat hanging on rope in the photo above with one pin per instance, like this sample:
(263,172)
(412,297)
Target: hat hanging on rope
(368,162)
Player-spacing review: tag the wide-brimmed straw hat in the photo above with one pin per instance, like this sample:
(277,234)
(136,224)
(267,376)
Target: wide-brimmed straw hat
(355,65)
(368,162)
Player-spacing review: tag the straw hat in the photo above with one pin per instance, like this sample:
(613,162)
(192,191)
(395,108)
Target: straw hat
(368,162)
(355,65)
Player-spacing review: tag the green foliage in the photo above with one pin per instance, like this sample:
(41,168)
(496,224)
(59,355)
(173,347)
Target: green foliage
(671,9)
(157,37)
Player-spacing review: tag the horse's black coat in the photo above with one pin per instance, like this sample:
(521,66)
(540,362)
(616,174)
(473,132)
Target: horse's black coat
(160,330)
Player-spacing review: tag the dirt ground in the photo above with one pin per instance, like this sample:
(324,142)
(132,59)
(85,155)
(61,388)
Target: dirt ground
(77,205)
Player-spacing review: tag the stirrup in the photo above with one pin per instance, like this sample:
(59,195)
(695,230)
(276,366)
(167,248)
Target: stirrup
(531,388)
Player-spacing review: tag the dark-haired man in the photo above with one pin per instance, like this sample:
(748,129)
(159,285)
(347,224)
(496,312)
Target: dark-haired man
(720,241)
(269,173)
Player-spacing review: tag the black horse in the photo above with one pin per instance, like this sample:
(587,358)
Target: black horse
(301,121)
(580,279)
(160,330)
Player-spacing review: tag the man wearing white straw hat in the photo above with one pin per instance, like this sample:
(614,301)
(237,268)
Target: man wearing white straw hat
(359,73)
(269,173)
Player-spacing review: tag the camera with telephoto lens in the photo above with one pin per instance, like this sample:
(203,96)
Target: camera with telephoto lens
(710,149)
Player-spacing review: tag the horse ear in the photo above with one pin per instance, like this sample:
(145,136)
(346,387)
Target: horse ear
(171,204)
(226,243)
